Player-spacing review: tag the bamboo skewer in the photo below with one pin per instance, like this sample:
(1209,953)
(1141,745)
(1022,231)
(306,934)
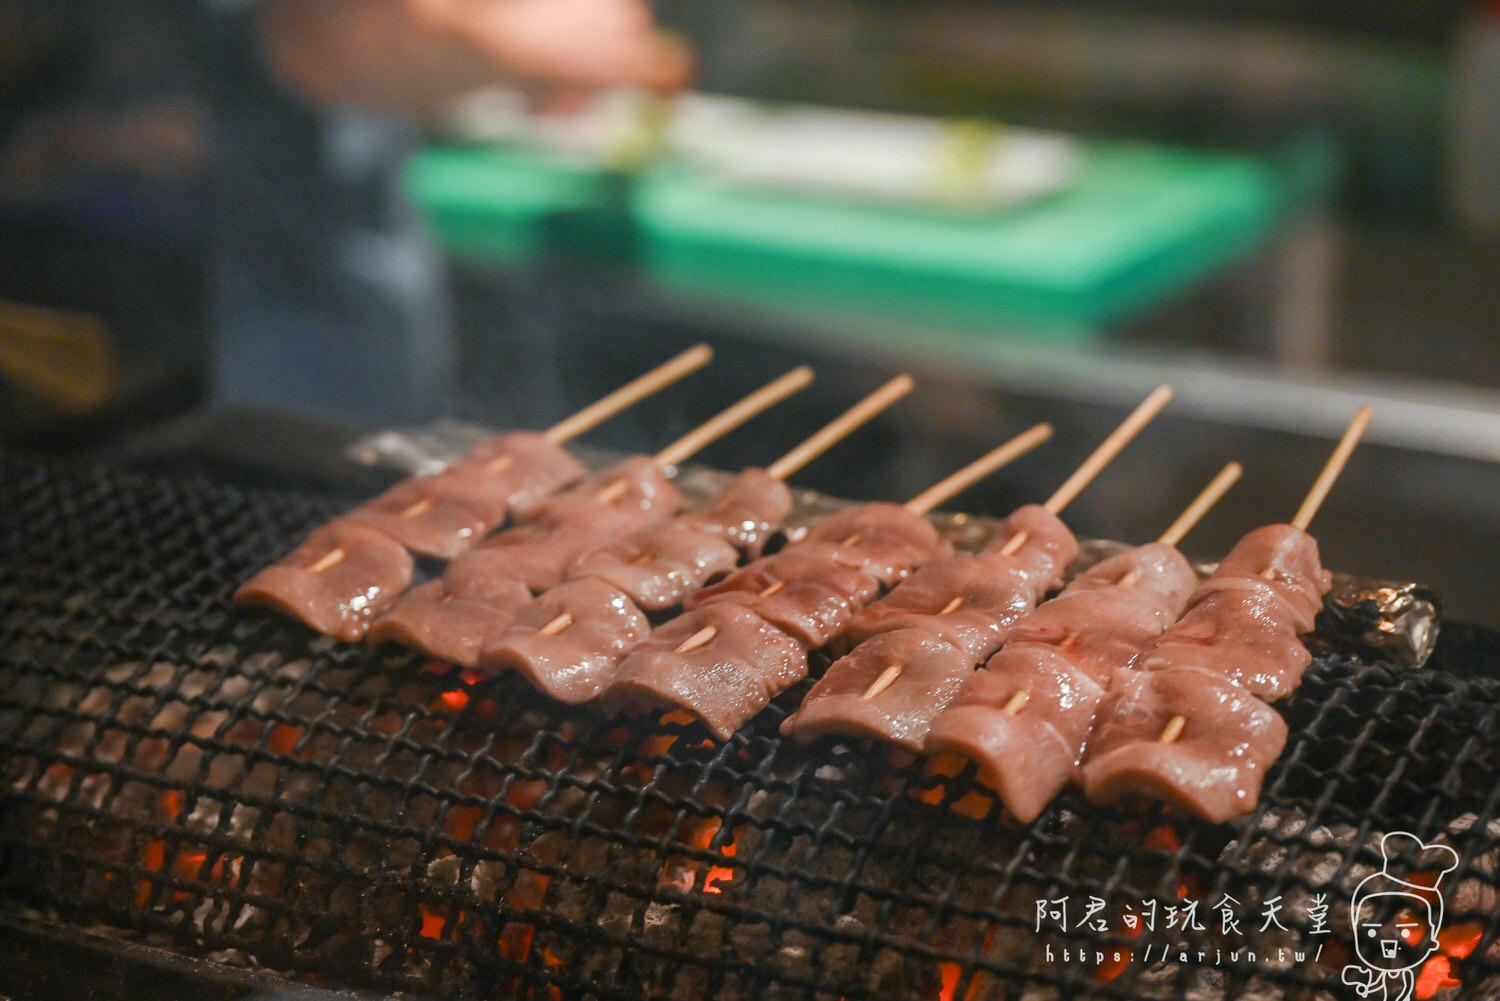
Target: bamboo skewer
(1332,468)
(1316,495)
(1071,488)
(1102,456)
(631,393)
(1175,533)
(717,426)
(955,483)
(733,416)
(589,417)
(809,449)
(840,427)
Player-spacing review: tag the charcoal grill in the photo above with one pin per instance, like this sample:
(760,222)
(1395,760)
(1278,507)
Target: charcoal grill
(183,774)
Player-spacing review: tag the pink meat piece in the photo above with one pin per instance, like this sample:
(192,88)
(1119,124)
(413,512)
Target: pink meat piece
(449,626)
(933,672)
(886,541)
(428,515)
(660,567)
(724,683)
(1028,755)
(812,598)
(539,552)
(745,511)
(343,598)
(511,474)
(1113,624)
(574,664)
(1213,770)
(1049,547)
(1297,573)
(1242,629)
(634,487)
(992,591)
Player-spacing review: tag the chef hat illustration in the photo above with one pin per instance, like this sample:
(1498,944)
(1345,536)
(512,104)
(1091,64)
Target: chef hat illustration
(1410,856)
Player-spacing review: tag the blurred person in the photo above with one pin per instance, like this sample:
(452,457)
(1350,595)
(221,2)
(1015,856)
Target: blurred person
(327,297)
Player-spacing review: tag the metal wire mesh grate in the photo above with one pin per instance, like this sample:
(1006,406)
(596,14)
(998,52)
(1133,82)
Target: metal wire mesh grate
(176,770)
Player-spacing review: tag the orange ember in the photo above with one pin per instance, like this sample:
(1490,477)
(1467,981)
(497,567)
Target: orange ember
(1436,975)
(284,737)
(1460,940)
(951,973)
(454,700)
(1113,966)
(171,802)
(433,920)
(1163,838)
(153,857)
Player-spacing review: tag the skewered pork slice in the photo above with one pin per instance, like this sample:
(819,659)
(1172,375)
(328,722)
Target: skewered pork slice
(1245,624)
(1029,755)
(884,540)
(1213,769)
(745,512)
(339,596)
(932,672)
(805,594)
(447,625)
(1057,666)
(516,471)
(428,515)
(1112,624)
(538,552)
(724,682)
(972,601)
(660,567)
(574,663)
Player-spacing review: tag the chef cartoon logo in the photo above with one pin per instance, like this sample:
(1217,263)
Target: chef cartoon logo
(1395,921)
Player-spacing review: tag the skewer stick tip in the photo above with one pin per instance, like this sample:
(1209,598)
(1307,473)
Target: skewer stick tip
(955,483)
(1144,413)
(631,393)
(1202,504)
(734,415)
(841,427)
(1329,475)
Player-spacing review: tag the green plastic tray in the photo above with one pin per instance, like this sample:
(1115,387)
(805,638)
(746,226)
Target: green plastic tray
(1138,225)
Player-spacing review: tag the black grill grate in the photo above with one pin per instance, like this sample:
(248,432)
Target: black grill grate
(178,771)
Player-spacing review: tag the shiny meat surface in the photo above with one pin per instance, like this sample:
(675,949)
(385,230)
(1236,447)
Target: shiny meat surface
(660,567)
(885,541)
(592,514)
(1242,629)
(1026,716)
(1296,571)
(427,514)
(745,511)
(932,673)
(1028,754)
(577,657)
(1214,769)
(449,626)
(807,595)
(1049,547)
(1112,624)
(633,487)
(724,682)
(516,471)
(335,594)
(1244,622)
(970,601)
